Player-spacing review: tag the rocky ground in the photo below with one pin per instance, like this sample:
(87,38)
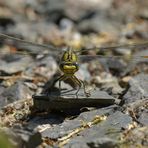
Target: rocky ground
(120,120)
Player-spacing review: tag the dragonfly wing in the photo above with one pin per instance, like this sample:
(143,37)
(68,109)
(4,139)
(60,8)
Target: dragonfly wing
(141,44)
(33,48)
(106,61)
(115,62)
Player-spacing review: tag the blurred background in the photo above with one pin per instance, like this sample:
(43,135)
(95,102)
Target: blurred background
(79,23)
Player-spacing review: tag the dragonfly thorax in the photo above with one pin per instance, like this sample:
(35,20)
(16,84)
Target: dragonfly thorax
(68,64)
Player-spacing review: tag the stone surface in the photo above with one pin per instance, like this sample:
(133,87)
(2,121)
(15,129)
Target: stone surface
(143,117)
(94,143)
(69,125)
(100,22)
(15,92)
(138,89)
(135,61)
(103,133)
(49,120)
(14,65)
(102,142)
(69,100)
(2,101)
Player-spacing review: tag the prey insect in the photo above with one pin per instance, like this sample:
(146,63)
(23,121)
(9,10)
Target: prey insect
(69,59)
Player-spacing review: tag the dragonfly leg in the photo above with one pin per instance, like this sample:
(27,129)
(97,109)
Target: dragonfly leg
(61,78)
(81,82)
(78,82)
(85,92)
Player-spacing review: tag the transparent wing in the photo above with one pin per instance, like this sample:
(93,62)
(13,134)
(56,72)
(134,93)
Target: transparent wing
(30,47)
(21,51)
(140,44)
(118,63)
(36,48)
(133,58)
(4,36)
(19,57)
(115,56)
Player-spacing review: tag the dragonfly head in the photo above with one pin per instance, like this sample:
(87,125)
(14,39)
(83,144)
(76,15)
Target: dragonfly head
(68,62)
(69,56)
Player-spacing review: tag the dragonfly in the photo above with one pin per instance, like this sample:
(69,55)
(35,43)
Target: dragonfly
(69,61)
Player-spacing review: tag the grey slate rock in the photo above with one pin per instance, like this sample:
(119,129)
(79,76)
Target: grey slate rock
(137,59)
(138,89)
(143,118)
(62,129)
(68,125)
(2,101)
(16,65)
(102,143)
(88,116)
(100,22)
(77,144)
(50,119)
(15,92)
(69,100)
(104,133)
(111,127)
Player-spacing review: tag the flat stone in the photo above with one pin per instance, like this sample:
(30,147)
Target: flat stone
(46,66)
(89,115)
(110,128)
(15,92)
(103,133)
(137,59)
(100,22)
(69,100)
(95,143)
(68,125)
(2,101)
(17,65)
(112,87)
(102,142)
(39,122)
(138,89)
(143,118)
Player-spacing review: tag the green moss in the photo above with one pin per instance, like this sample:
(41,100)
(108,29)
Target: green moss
(4,142)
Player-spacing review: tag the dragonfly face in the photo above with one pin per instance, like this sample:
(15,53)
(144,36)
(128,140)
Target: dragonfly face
(68,64)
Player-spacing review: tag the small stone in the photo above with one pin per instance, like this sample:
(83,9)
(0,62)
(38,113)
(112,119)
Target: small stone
(113,88)
(18,106)
(16,65)
(138,88)
(143,118)
(144,14)
(102,142)
(123,51)
(16,92)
